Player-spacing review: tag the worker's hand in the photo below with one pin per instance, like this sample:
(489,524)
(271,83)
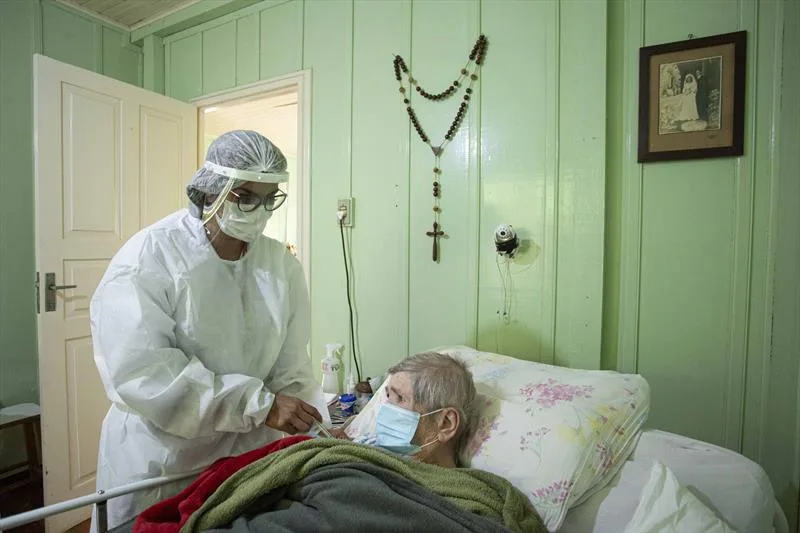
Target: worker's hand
(339,434)
(291,415)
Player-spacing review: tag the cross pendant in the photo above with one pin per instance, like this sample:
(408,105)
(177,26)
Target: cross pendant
(436,233)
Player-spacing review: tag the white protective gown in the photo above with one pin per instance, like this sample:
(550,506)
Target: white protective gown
(191,350)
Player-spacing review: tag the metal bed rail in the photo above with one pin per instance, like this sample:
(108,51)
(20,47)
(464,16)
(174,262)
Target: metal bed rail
(99,499)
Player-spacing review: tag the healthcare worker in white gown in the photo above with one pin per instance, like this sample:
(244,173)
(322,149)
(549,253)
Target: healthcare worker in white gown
(200,328)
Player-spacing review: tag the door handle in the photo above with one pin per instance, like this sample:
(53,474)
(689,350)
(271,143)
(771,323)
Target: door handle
(50,291)
(61,287)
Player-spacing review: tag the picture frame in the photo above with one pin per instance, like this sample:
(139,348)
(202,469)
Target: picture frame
(692,98)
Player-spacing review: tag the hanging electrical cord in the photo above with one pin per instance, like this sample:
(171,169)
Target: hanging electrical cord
(507,281)
(349,301)
(504,316)
(355,321)
(509,299)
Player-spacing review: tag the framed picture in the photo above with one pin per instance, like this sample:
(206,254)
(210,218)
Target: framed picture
(691,98)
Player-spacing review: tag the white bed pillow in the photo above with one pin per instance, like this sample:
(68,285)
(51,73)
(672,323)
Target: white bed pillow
(555,433)
(668,507)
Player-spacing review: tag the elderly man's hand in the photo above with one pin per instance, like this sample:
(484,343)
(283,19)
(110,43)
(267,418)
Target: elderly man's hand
(291,415)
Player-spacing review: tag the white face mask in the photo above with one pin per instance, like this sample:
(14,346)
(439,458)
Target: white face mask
(240,225)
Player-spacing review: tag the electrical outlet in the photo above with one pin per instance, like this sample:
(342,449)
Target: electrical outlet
(346,205)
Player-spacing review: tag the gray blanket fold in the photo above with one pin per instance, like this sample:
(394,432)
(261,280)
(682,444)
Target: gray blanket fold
(356,497)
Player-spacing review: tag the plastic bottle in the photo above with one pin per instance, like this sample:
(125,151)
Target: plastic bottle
(351,384)
(330,368)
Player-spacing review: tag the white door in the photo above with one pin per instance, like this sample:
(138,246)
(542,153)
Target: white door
(111,158)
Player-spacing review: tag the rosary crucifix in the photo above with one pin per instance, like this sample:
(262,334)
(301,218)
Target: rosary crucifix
(467,77)
(436,233)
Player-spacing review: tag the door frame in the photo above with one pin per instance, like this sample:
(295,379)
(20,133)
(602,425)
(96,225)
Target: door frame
(302,80)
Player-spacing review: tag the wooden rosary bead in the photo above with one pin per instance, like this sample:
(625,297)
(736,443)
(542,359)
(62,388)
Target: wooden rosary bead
(476,56)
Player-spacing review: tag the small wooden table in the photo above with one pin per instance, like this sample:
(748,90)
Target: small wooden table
(27,416)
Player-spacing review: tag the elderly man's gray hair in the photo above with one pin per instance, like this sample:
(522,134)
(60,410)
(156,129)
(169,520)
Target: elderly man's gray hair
(439,381)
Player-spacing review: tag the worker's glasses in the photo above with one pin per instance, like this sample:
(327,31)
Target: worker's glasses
(249,202)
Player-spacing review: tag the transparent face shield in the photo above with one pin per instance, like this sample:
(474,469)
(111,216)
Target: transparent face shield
(235,175)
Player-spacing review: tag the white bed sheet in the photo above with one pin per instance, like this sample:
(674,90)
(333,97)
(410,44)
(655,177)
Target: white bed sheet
(736,488)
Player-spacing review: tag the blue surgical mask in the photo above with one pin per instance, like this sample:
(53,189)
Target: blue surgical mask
(395,428)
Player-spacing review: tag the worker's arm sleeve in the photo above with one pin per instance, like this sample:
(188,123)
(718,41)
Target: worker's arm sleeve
(134,348)
(292,374)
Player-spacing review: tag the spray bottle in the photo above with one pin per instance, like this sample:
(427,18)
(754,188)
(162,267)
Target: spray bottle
(330,368)
(351,384)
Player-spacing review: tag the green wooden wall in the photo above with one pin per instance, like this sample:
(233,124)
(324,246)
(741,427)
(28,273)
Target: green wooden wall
(28,27)
(699,276)
(778,412)
(531,153)
(686,257)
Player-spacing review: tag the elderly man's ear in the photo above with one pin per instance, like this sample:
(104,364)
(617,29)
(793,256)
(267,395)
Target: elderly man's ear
(449,424)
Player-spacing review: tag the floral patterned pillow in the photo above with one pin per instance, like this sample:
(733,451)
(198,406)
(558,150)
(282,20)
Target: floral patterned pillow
(556,433)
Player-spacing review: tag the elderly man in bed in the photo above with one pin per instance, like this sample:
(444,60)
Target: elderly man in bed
(429,411)
(326,485)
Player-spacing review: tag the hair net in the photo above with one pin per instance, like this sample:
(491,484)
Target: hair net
(233,157)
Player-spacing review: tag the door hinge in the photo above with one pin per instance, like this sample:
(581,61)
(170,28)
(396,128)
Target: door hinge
(38,294)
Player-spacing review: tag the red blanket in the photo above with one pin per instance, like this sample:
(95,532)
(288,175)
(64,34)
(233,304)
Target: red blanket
(168,516)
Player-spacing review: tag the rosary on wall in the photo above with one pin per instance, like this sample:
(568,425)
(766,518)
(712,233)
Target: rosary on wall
(466,78)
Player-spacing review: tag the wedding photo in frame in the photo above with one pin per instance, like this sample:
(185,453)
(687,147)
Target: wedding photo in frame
(691,98)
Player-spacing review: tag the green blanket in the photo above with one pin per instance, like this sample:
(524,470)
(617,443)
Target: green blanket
(472,490)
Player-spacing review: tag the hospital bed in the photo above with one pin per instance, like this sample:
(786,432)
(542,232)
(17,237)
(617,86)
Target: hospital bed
(735,486)
(99,499)
(736,489)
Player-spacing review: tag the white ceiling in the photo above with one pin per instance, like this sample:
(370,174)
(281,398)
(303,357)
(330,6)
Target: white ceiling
(129,14)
